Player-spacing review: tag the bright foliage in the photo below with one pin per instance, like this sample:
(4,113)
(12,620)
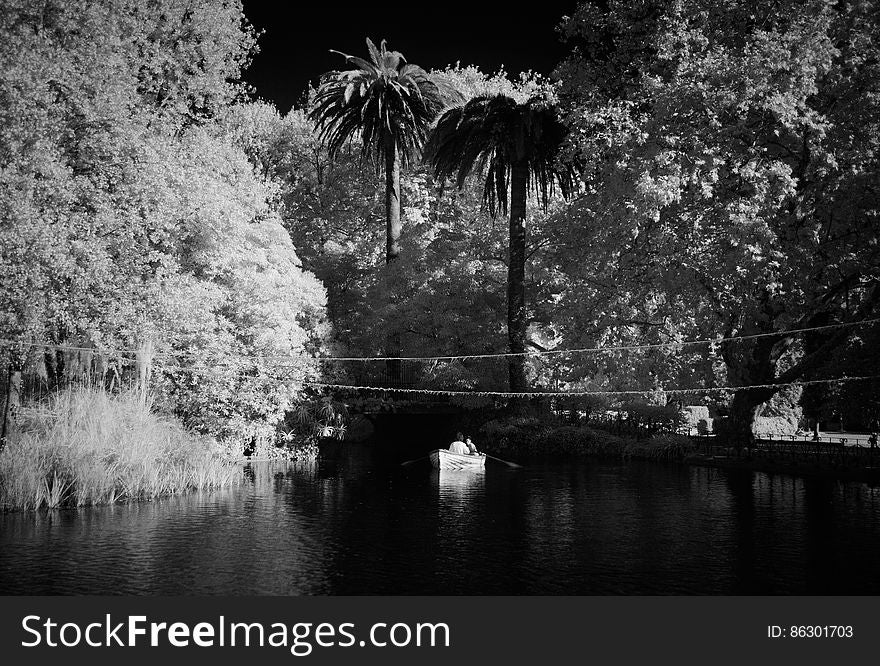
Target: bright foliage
(132,221)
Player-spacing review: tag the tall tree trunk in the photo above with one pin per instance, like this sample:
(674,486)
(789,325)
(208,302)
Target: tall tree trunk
(12,400)
(756,361)
(392,243)
(516,276)
(743,412)
(392,200)
(144,365)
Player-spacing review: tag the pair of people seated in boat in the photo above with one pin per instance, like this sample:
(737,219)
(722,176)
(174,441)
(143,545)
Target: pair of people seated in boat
(463,446)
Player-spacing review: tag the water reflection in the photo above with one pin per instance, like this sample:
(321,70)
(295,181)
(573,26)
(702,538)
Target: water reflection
(355,525)
(458,488)
(460,514)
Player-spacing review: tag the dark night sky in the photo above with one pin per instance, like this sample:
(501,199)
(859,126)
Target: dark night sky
(294,48)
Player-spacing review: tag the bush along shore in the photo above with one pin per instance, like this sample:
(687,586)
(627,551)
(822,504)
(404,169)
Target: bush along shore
(269,451)
(529,437)
(84,447)
(521,438)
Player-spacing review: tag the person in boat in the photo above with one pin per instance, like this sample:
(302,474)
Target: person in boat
(458,446)
(472,448)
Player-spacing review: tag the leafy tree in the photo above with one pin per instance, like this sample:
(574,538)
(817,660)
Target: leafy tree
(331,209)
(855,404)
(92,95)
(518,144)
(132,220)
(732,150)
(239,305)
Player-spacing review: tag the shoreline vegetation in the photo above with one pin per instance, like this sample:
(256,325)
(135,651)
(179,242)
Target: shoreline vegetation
(85,447)
(525,438)
(532,437)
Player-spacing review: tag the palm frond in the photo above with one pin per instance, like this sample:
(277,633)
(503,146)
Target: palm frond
(377,100)
(492,134)
(375,55)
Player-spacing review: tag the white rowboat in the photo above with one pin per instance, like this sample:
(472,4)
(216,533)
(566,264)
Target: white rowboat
(444,459)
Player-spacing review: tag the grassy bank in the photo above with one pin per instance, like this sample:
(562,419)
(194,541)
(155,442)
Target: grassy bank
(523,438)
(87,447)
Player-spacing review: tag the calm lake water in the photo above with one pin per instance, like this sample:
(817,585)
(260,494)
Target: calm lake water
(359,524)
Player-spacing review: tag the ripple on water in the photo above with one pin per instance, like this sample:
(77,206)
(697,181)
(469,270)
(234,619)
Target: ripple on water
(353,527)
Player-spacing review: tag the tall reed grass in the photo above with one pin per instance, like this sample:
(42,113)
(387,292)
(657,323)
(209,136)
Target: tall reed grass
(85,446)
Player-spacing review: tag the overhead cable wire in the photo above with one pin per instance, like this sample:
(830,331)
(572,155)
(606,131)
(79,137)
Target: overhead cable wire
(528,394)
(563,394)
(453,357)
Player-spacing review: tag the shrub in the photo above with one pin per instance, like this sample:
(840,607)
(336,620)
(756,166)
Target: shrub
(704,426)
(775,425)
(528,437)
(510,434)
(573,440)
(654,418)
(663,447)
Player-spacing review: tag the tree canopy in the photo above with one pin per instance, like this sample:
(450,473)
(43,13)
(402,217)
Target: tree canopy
(491,134)
(132,222)
(735,145)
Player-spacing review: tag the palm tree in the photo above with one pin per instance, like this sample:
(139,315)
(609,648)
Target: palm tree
(389,104)
(517,145)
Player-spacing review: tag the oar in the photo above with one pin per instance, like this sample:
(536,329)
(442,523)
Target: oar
(509,464)
(410,462)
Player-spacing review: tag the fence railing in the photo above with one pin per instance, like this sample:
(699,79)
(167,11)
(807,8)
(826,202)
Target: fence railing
(826,451)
